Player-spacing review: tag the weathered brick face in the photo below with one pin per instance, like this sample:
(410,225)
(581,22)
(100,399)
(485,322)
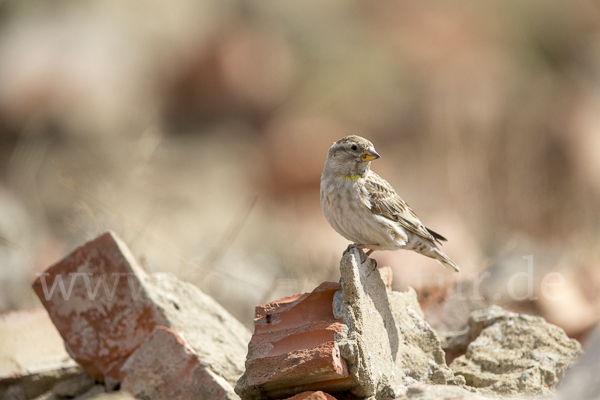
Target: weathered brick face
(294,347)
(97,300)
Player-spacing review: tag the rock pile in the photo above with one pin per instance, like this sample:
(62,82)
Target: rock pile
(510,353)
(372,342)
(151,336)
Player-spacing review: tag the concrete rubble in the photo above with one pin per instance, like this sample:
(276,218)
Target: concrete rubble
(151,337)
(75,386)
(581,382)
(438,392)
(106,307)
(384,349)
(378,342)
(510,353)
(385,340)
(32,355)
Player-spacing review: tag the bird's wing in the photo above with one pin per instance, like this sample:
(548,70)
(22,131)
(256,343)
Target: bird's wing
(386,202)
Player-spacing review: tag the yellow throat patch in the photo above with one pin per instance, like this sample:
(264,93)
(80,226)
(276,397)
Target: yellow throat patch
(351,177)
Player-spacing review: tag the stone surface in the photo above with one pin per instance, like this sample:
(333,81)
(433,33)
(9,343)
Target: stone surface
(439,392)
(387,277)
(107,306)
(219,339)
(293,347)
(96,392)
(74,386)
(319,395)
(581,382)
(165,366)
(512,353)
(111,396)
(386,342)
(93,393)
(32,355)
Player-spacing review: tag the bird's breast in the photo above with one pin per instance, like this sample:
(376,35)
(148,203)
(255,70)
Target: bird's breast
(347,208)
(344,206)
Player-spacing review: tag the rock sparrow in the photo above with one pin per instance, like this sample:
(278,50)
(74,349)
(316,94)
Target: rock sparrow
(365,209)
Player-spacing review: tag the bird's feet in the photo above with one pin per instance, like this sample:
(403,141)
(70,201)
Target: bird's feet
(363,255)
(350,247)
(371,247)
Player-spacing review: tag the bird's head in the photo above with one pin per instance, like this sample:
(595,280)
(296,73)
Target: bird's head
(351,156)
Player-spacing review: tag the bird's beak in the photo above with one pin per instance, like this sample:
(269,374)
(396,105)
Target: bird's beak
(369,155)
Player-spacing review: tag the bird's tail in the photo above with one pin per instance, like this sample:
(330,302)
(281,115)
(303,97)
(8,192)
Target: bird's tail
(444,260)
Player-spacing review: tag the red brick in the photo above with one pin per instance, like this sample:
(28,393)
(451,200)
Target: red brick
(293,347)
(165,366)
(100,327)
(312,396)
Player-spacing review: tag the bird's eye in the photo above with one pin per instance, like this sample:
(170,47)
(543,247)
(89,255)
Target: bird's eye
(354,147)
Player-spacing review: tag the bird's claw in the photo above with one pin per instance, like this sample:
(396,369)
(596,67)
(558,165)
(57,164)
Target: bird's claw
(360,248)
(350,247)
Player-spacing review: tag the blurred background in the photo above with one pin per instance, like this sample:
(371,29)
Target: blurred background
(197,130)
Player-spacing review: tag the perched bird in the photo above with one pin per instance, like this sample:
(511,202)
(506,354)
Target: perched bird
(365,209)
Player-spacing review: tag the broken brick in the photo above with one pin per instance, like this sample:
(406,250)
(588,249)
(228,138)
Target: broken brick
(105,306)
(96,298)
(293,348)
(165,366)
(312,396)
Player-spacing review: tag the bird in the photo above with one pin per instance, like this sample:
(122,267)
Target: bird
(365,209)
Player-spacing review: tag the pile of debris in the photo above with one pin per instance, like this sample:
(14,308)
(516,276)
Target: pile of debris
(151,336)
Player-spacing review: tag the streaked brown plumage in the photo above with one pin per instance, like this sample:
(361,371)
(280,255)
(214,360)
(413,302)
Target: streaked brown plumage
(365,209)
